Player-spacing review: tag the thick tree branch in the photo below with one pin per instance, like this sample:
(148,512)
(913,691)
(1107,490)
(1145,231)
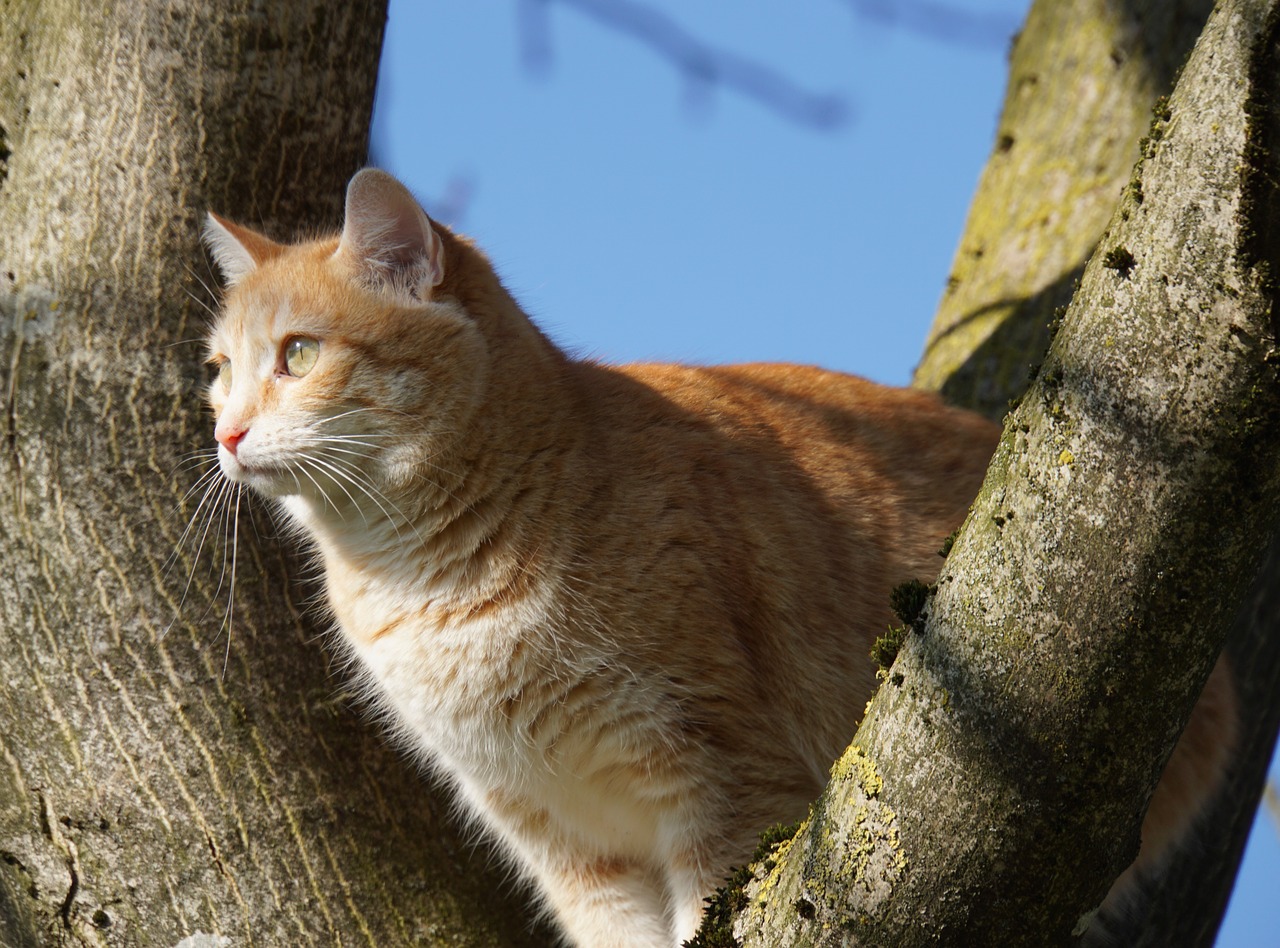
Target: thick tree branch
(1083,75)
(1083,78)
(997,783)
(144,795)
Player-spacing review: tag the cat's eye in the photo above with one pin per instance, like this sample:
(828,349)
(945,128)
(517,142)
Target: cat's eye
(224,374)
(300,354)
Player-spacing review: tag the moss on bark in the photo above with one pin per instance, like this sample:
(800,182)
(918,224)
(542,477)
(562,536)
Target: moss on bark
(1093,552)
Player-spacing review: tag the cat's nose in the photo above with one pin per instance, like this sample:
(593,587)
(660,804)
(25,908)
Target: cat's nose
(230,437)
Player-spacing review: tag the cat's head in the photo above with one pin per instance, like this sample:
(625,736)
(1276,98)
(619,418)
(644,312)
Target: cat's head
(343,366)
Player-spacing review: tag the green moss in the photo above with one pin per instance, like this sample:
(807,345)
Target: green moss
(887,646)
(1055,321)
(773,837)
(716,930)
(908,601)
(1161,113)
(1121,260)
(727,901)
(945,550)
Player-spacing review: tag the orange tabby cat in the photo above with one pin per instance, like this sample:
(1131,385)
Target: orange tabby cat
(626,611)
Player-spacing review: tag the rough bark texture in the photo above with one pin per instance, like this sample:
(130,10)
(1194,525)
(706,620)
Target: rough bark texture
(147,794)
(1190,897)
(1079,94)
(1083,77)
(965,813)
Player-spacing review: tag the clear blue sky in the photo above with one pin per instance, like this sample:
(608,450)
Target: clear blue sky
(640,215)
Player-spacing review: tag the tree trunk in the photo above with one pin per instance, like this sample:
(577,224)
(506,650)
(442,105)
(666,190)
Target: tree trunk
(212,779)
(997,784)
(1083,77)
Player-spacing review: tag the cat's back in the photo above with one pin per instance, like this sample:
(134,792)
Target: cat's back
(851,438)
(775,484)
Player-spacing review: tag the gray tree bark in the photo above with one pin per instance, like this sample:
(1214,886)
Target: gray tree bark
(997,784)
(154,786)
(1083,76)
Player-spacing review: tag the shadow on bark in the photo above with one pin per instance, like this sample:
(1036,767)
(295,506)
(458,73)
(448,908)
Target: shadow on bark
(1189,899)
(979,383)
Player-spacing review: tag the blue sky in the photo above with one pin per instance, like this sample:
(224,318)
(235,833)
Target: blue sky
(638,214)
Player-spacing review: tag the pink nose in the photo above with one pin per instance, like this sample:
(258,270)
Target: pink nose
(230,437)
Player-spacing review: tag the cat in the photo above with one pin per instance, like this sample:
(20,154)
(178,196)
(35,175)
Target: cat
(624,611)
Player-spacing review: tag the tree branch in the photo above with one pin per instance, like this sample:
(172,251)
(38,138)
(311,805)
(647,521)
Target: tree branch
(939,21)
(702,64)
(1093,552)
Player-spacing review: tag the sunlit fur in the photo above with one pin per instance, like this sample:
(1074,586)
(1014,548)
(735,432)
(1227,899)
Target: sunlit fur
(626,611)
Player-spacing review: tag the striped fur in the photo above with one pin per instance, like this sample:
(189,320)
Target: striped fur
(626,611)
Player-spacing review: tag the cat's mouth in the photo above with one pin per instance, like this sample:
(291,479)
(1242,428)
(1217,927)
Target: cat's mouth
(264,476)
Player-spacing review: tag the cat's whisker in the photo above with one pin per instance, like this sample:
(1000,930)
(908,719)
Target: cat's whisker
(361,455)
(231,595)
(197,453)
(209,482)
(202,304)
(313,438)
(193,462)
(207,289)
(224,528)
(357,479)
(183,342)
(354,503)
(206,483)
(190,269)
(378,410)
(325,445)
(367,484)
(346,414)
(302,467)
(217,491)
(200,482)
(210,474)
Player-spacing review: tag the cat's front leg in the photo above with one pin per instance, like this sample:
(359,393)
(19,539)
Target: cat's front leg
(606,902)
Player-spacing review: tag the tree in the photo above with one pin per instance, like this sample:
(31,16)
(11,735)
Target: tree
(147,796)
(985,799)
(158,785)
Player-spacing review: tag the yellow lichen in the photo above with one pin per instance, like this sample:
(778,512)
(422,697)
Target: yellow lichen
(856,764)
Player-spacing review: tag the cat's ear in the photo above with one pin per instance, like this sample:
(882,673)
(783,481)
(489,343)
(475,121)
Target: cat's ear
(387,237)
(237,250)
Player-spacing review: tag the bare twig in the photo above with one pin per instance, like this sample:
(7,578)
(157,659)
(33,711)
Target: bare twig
(939,21)
(702,64)
(451,206)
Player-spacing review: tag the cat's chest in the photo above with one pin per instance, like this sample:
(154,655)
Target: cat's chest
(450,675)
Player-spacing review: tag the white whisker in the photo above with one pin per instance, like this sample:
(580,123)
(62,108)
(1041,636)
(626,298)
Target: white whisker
(338,468)
(231,595)
(354,503)
(329,503)
(213,498)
